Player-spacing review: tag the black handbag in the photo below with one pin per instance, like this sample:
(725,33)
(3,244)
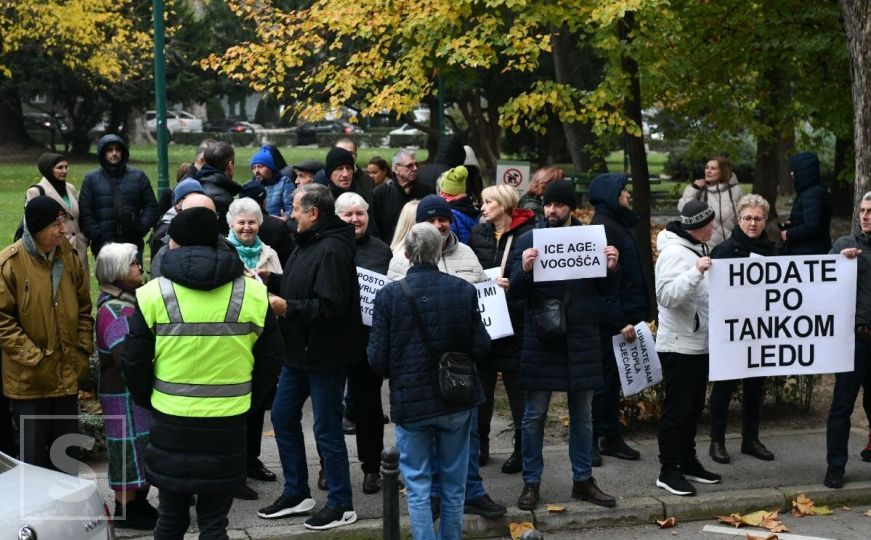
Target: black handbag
(456,370)
(549,316)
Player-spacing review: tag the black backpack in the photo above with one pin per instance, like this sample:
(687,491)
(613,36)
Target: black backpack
(20,230)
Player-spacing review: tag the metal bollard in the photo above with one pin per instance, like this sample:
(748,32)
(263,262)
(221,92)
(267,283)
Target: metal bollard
(390,485)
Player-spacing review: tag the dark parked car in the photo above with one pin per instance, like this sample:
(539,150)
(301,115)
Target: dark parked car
(229,125)
(308,133)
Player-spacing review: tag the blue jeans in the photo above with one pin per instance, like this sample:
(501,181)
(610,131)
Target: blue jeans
(474,482)
(843,400)
(326,388)
(580,434)
(443,440)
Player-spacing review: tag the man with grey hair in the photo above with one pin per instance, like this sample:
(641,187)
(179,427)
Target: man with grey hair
(855,246)
(321,323)
(389,197)
(448,311)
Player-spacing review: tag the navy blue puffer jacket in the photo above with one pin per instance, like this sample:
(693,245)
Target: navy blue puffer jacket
(807,232)
(449,308)
(127,218)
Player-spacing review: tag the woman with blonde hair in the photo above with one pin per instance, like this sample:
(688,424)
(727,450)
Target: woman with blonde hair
(407,219)
(720,189)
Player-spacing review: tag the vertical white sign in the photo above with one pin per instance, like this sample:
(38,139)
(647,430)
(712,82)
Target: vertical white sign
(370,284)
(637,362)
(514,174)
(493,307)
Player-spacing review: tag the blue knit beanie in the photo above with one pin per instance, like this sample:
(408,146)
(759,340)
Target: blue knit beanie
(433,206)
(264,157)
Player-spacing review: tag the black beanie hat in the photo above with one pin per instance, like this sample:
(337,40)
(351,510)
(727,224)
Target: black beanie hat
(561,191)
(335,157)
(695,215)
(41,212)
(46,162)
(197,226)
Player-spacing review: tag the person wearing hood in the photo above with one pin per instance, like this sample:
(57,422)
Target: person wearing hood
(450,154)
(452,188)
(117,202)
(46,334)
(457,258)
(720,189)
(279,188)
(203,349)
(682,344)
(625,307)
(321,322)
(216,177)
(389,198)
(747,240)
(807,231)
(54,169)
(340,174)
(491,241)
(569,362)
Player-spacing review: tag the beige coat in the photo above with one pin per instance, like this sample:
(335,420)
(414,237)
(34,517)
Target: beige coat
(75,236)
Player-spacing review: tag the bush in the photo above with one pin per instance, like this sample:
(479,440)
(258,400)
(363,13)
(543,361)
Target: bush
(214,109)
(327,140)
(404,141)
(236,139)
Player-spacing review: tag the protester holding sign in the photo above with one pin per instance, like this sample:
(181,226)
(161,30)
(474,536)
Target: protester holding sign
(560,352)
(682,344)
(627,306)
(363,403)
(491,241)
(854,246)
(747,240)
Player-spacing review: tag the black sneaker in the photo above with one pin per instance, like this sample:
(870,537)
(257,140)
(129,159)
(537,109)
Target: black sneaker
(694,471)
(287,505)
(484,506)
(834,477)
(330,518)
(671,480)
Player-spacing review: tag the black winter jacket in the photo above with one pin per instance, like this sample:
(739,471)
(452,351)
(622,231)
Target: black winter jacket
(505,352)
(188,454)
(127,217)
(807,232)
(449,309)
(863,279)
(221,190)
(449,154)
(322,326)
(739,246)
(570,363)
(387,202)
(277,234)
(629,303)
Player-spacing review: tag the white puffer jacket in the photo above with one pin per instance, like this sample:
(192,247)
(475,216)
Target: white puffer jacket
(457,260)
(682,296)
(723,198)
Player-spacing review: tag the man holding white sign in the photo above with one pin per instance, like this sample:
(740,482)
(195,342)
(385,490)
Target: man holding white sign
(560,350)
(858,247)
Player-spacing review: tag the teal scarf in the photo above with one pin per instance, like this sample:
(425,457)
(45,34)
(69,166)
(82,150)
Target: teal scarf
(250,255)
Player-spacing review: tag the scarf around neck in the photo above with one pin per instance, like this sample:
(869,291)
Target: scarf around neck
(250,255)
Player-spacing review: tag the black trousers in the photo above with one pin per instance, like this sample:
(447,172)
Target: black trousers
(606,400)
(751,402)
(174,516)
(843,400)
(366,412)
(7,433)
(685,379)
(40,423)
(516,399)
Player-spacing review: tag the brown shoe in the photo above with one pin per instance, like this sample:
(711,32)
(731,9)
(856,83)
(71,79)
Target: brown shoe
(587,490)
(528,500)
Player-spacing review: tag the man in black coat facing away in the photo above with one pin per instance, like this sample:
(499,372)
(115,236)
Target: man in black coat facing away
(807,231)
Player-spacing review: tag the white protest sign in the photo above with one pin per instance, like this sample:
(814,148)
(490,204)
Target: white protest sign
(569,253)
(493,273)
(637,362)
(781,316)
(493,308)
(370,284)
(514,174)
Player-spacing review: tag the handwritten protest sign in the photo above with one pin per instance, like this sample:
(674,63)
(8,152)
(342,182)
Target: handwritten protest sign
(370,284)
(781,316)
(569,253)
(493,308)
(637,362)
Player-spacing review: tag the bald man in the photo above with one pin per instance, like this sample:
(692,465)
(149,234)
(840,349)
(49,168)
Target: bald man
(192,200)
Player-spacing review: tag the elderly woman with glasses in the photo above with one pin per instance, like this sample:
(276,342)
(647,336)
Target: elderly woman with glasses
(747,240)
(245,218)
(127,424)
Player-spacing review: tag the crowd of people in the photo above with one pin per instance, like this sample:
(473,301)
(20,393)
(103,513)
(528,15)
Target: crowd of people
(252,303)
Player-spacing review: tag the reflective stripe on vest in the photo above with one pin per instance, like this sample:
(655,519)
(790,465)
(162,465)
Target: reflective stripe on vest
(203,390)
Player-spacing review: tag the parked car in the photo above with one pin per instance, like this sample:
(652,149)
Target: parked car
(229,125)
(176,121)
(308,133)
(40,503)
(38,120)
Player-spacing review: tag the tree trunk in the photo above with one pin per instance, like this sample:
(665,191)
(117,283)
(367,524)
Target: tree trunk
(841,191)
(638,160)
(12,130)
(857,23)
(137,132)
(766,173)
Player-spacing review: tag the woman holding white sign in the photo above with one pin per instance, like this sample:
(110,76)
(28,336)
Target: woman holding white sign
(491,241)
(747,240)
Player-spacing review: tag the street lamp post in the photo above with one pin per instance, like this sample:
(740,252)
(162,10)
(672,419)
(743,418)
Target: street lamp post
(160,98)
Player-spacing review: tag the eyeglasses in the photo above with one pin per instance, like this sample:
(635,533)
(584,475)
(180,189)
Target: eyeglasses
(412,165)
(754,219)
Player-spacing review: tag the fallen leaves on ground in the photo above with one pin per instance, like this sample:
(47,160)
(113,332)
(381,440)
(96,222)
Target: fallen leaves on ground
(517,529)
(868,513)
(555,508)
(269,433)
(803,506)
(564,420)
(754,537)
(760,518)
(667,523)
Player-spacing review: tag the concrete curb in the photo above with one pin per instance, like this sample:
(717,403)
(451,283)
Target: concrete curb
(581,515)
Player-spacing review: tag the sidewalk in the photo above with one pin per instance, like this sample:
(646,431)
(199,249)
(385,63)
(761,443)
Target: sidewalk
(748,484)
